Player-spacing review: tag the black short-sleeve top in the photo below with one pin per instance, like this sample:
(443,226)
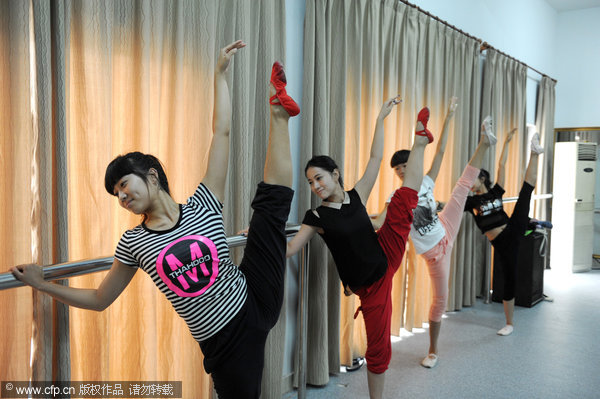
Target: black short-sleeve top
(349,235)
(487,209)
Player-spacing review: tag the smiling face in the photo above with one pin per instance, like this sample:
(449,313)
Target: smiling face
(400,170)
(323,183)
(133,193)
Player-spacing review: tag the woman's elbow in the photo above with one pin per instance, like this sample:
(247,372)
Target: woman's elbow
(101,303)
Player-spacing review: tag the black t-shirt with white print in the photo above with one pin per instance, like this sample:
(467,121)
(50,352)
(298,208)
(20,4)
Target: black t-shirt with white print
(487,209)
(190,264)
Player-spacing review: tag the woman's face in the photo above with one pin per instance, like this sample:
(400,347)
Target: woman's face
(322,182)
(400,169)
(133,193)
(477,186)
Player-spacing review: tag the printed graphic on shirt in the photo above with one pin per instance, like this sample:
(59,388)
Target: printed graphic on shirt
(424,220)
(488,207)
(189,265)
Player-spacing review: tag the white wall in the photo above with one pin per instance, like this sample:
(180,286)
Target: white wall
(578,68)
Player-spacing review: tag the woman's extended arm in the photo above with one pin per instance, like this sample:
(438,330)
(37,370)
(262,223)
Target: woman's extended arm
(442,141)
(364,186)
(218,158)
(503,157)
(98,299)
(303,236)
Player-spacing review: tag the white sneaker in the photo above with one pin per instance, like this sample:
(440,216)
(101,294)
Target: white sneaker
(506,330)
(486,129)
(430,361)
(535,144)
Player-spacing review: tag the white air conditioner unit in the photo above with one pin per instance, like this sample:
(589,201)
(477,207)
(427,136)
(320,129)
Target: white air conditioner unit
(573,207)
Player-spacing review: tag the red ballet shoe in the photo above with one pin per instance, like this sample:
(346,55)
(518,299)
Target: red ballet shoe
(423,117)
(281,97)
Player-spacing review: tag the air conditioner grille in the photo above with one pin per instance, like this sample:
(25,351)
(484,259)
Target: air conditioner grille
(586,152)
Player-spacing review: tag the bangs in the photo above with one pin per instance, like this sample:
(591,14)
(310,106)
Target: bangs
(399,157)
(135,163)
(119,167)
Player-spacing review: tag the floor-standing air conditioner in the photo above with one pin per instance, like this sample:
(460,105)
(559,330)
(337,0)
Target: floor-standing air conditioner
(573,207)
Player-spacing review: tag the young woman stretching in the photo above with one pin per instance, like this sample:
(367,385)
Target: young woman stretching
(229,310)
(433,233)
(366,260)
(505,233)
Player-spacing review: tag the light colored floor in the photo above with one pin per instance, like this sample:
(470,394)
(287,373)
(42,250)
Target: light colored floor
(553,353)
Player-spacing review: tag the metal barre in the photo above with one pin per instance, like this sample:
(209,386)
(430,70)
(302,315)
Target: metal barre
(533,197)
(61,271)
(72,269)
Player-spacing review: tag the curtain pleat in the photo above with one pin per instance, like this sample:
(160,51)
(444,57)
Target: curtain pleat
(544,122)
(365,52)
(17,148)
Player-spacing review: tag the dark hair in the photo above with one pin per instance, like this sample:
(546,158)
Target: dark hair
(486,178)
(400,156)
(134,163)
(324,162)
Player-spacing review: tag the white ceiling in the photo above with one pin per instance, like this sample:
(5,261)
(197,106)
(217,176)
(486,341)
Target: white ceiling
(568,5)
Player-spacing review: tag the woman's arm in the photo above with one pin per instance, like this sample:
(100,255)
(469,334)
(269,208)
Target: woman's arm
(378,221)
(364,186)
(303,236)
(218,156)
(98,299)
(442,141)
(503,157)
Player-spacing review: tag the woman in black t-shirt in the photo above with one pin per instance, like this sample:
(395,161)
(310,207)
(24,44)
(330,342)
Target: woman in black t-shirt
(505,233)
(366,260)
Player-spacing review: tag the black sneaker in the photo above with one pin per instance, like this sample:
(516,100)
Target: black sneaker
(356,364)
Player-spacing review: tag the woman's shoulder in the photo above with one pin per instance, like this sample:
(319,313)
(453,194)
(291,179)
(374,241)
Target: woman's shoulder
(497,189)
(134,231)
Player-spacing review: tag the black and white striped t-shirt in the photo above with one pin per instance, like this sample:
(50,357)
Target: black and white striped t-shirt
(190,264)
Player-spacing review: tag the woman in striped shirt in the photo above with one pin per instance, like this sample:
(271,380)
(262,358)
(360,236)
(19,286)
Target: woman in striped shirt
(229,310)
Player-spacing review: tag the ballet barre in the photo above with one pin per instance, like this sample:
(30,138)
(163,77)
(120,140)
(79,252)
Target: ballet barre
(533,197)
(65,270)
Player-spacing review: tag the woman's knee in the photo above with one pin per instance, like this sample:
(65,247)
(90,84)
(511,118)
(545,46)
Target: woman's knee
(378,360)
(438,307)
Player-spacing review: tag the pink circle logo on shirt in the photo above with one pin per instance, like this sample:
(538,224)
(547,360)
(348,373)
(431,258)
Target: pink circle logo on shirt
(188,265)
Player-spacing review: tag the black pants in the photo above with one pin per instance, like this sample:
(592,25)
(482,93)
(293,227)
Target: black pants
(508,241)
(235,355)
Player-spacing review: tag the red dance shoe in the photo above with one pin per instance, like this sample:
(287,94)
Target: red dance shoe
(423,117)
(281,97)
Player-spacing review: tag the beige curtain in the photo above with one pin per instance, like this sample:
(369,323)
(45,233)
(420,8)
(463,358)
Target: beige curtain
(365,52)
(504,98)
(32,149)
(544,122)
(18,146)
(124,76)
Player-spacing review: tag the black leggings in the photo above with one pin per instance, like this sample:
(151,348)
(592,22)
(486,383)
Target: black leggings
(508,241)
(235,355)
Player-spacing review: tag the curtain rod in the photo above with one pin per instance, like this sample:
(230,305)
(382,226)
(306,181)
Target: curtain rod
(483,45)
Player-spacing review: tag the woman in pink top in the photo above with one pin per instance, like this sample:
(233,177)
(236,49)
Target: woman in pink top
(433,233)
